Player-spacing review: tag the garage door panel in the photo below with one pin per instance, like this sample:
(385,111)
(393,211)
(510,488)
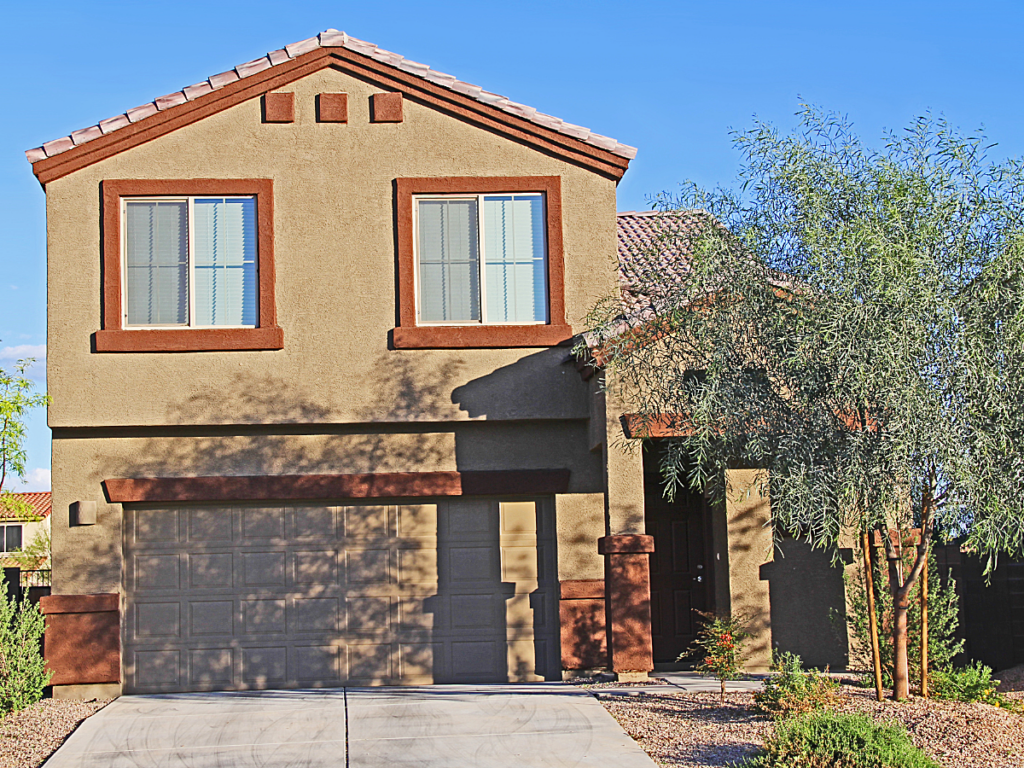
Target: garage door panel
(211,525)
(211,617)
(272,597)
(263,569)
(211,570)
(316,523)
(156,572)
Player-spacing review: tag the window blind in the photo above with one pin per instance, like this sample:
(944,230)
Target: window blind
(224,242)
(449,261)
(515,258)
(156,263)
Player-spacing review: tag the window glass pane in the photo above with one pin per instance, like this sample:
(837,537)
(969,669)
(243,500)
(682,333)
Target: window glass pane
(12,538)
(515,256)
(224,238)
(156,263)
(449,261)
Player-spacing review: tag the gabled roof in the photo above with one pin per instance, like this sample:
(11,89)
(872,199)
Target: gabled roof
(40,502)
(330,48)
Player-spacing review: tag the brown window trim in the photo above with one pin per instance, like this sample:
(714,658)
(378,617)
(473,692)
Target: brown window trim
(408,335)
(115,338)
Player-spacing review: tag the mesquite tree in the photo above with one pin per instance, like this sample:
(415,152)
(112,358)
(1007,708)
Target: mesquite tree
(850,321)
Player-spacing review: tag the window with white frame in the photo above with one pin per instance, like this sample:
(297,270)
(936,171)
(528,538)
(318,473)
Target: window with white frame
(10,538)
(481,259)
(189,262)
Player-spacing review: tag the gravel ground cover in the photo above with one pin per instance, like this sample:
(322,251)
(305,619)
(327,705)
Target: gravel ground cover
(690,729)
(28,737)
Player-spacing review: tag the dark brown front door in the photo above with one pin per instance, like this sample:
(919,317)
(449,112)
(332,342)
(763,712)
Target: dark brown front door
(679,573)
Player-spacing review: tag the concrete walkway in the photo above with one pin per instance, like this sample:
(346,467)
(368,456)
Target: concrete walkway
(482,726)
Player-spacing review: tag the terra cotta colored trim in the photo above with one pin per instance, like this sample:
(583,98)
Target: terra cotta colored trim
(115,338)
(386,107)
(50,604)
(353,486)
(582,589)
(408,335)
(332,107)
(464,107)
(279,107)
(625,544)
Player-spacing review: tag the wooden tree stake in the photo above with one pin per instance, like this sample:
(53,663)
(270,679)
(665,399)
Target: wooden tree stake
(876,657)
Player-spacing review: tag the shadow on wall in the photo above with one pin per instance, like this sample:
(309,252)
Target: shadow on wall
(808,603)
(312,570)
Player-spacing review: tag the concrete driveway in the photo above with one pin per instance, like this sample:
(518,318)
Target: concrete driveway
(443,725)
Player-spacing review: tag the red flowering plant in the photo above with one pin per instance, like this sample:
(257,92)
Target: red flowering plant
(720,644)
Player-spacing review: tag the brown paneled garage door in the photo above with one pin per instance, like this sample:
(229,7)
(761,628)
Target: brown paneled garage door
(232,598)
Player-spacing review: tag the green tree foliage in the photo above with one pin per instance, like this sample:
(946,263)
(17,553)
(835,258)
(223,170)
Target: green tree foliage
(850,321)
(943,620)
(35,555)
(22,670)
(832,740)
(16,399)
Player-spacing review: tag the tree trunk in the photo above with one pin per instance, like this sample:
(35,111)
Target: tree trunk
(876,656)
(901,667)
(723,692)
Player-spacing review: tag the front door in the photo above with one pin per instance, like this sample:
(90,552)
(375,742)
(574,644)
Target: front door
(679,572)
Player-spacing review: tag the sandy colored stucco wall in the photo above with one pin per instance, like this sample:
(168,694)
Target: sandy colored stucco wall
(335,288)
(89,557)
(747,514)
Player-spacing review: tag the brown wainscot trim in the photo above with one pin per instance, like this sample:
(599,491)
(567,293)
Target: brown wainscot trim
(82,643)
(354,486)
(113,337)
(410,336)
(581,613)
(279,107)
(625,544)
(463,107)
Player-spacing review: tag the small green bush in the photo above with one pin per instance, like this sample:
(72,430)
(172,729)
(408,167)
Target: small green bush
(791,691)
(831,740)
(972,683)
(23,675)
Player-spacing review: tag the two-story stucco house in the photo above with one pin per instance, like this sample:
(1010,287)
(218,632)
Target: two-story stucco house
(315,420)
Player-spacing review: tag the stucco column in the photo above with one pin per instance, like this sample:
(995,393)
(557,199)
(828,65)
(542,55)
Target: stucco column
(628,604)
(748,522)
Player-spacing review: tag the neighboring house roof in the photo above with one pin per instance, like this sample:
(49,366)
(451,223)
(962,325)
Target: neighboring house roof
(40,501)
(653,240)
(280,67)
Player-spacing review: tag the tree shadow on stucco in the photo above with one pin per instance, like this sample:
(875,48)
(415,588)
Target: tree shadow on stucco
(269,426)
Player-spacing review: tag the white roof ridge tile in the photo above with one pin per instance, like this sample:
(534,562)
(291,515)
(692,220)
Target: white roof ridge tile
(329,38)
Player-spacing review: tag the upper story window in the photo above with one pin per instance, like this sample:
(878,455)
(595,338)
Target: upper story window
(481,259)
(10,538)
(188,266)
(480,263)
(189,262)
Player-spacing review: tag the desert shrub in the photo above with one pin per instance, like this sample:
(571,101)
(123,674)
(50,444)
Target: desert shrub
(832,740)
(22,670)
(720,645)
(789,690)
(943,620)
(972,683)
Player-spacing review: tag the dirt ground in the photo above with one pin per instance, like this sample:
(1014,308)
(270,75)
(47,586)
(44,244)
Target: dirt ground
(690,729)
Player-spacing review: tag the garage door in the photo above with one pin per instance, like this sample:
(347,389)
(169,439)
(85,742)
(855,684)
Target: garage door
(237,598)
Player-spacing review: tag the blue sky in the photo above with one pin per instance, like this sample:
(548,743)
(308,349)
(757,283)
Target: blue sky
(671,78)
